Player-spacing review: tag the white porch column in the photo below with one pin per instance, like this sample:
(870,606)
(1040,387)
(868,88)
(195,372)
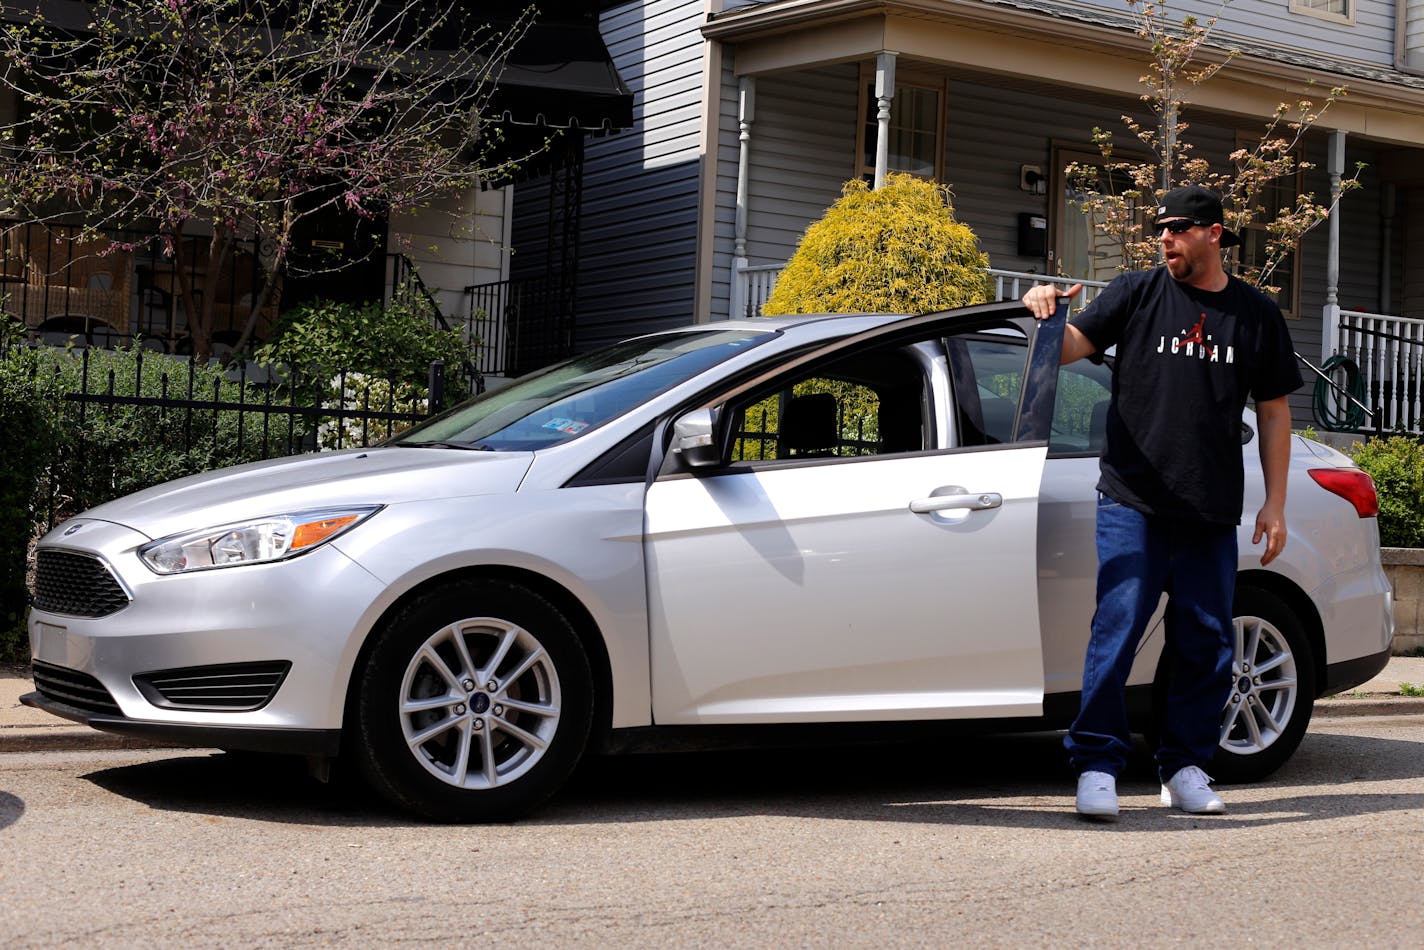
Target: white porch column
(884,97)
(1386,278)
(1330,320)
(746,114)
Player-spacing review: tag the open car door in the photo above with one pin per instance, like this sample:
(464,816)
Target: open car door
(853,534)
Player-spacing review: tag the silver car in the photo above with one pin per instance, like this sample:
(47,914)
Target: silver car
(690,535)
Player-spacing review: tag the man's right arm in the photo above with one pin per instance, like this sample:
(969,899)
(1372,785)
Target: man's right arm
(1041,301)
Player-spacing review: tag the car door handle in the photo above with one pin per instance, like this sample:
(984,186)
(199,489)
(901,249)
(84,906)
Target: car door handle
(979,501)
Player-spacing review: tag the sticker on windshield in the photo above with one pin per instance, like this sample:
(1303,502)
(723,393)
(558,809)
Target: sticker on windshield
(569,426)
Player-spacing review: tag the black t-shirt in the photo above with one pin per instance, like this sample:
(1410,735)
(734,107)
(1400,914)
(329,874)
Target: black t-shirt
(1187,359)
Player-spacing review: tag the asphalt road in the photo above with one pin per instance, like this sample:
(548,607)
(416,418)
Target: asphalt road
(882,846)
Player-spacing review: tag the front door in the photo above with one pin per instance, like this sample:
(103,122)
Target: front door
(336,255)
(888,574)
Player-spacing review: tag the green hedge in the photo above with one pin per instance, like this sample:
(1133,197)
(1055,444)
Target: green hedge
(397,340)
(62,458)
(894,249)
(30,432)
(1397,466)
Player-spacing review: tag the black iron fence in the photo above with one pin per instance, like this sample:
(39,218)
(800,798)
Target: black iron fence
(129,419)
(518,325)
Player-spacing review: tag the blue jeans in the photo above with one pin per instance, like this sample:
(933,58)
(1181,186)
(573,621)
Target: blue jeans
(1139,557)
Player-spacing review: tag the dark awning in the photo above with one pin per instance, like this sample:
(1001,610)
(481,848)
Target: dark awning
(561,76)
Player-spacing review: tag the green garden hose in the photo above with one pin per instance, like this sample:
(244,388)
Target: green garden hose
(1333,412)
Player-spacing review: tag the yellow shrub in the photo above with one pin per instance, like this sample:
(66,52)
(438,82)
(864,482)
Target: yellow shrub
(896,249)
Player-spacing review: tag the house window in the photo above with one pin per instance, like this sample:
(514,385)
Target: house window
(1337,11)
(916,127)
(1277,196)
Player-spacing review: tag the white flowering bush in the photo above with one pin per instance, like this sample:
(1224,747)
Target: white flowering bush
(359,393)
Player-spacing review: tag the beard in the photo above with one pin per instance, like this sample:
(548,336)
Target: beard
(1180,267)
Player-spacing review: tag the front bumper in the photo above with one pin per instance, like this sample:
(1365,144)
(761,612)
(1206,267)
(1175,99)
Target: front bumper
(323,742)
(305,616)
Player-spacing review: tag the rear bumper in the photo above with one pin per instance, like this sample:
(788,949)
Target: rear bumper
(1342,676)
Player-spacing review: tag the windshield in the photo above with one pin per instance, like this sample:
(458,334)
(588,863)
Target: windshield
(564,401)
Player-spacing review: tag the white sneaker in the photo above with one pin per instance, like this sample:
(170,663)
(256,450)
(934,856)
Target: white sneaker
(1189,791)
(1097,795)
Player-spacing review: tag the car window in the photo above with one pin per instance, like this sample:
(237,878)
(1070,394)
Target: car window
(988,371)
(868,403)
(571,398)
(997,365)
(1080,409)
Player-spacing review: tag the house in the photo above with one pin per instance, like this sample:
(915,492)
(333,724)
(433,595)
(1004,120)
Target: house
(749,117)
(682,202)
(557,86)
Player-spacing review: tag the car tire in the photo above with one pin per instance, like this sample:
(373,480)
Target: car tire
(474,703)
(1273,688)
(1272,693)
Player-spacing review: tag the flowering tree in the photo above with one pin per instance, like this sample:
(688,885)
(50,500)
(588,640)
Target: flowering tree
(1120,194)
(237,119)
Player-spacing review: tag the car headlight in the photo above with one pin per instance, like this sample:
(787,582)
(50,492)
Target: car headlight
(260,540)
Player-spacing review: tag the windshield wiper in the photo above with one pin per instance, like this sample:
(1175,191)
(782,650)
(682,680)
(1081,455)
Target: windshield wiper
(438,444)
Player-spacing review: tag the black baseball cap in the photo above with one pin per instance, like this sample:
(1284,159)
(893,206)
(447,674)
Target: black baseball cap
(1200,204)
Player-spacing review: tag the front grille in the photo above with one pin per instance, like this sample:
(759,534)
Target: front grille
(231,687)
(79,585)
(73,688)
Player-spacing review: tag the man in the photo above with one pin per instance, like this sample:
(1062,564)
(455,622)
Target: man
(1192,343)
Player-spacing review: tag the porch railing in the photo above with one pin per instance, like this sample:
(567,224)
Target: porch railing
(518,325)
(1389,354)
(405,281)
(753,285)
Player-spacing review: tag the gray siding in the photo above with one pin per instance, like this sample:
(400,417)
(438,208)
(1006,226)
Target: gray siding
(638,221)
(993,131)
(725,203)
(1369,39)
(803,143)
(802,153)
(1412,42)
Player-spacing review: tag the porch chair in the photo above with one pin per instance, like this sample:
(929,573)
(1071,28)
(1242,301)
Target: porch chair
(69,278)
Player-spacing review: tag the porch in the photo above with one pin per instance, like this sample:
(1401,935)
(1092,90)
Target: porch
(119,287)
(1378,359)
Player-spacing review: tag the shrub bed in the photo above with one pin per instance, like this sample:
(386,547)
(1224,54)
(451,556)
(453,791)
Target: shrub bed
(1397,466)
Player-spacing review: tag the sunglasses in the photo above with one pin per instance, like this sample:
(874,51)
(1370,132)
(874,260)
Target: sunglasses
(1182,225)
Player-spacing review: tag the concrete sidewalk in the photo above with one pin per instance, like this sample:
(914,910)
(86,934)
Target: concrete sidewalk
(23,729)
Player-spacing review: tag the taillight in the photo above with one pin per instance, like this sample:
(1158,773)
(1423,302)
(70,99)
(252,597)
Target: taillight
(1351,484)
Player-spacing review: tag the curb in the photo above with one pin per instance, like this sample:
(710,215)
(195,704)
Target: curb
(1381,705)
(69,739)
(60,738)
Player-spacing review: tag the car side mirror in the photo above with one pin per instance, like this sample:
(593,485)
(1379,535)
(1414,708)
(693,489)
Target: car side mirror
(694,439)
(1247,433)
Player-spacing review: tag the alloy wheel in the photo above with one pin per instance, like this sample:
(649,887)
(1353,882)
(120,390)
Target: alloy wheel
(479,703)
(1265,687)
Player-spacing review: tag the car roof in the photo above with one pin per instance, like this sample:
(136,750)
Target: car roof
(802,326)
(810,327)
